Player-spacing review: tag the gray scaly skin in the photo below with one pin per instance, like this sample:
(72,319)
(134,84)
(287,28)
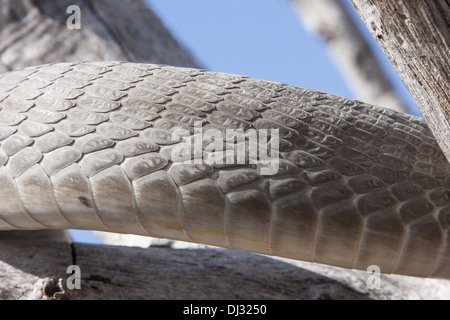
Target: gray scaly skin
(88,146)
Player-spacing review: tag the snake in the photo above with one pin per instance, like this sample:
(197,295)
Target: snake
(92,146)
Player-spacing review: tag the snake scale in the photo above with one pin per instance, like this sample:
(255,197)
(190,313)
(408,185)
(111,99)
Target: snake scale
(90,146)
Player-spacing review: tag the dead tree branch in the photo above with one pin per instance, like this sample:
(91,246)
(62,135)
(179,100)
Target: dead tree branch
(415,36)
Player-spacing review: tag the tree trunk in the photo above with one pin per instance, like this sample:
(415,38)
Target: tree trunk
(350,50)
(415,36)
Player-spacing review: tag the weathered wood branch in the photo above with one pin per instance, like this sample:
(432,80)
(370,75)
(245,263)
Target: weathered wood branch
(36,269)
(35,32)
(350,50)
(415,36)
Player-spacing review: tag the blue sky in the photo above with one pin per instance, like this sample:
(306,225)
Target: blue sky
(261,39)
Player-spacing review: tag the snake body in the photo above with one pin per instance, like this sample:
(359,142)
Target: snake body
(89,146)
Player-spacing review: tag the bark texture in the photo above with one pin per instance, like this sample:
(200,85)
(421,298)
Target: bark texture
(415,36)
(350,50)
(36,269)
(35,32)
